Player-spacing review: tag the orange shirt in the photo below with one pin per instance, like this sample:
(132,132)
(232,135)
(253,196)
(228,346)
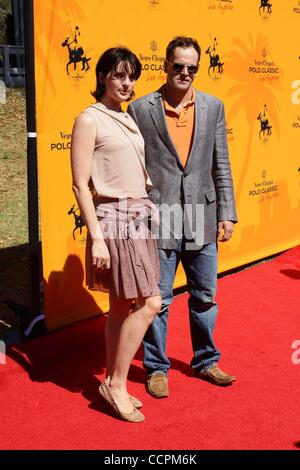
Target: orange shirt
(181,126)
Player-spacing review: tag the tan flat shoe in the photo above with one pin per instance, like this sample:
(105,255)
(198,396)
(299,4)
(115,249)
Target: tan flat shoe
(134,417)
(135,401)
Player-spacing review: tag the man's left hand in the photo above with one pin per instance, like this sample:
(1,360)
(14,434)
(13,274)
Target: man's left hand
(225,230)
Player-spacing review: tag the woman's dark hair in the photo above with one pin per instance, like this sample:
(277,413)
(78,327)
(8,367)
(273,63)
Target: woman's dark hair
(182,41)
(110,60)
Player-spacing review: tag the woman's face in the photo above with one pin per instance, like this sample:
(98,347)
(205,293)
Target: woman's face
(119,83)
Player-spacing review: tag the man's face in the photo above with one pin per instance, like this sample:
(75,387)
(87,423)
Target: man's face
(177,79)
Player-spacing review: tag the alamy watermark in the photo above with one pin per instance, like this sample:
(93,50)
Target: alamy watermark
(296,354)
(2,92)
(141,220)
(2,352)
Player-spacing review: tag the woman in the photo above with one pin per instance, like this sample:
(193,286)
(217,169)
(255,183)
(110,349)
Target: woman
(110,182)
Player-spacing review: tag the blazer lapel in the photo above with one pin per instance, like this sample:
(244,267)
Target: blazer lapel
(157,113)
(200,126)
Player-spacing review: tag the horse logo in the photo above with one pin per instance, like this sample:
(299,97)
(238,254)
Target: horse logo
(76,53)
(78,220)
(215,65)
(265,8)
(265,127)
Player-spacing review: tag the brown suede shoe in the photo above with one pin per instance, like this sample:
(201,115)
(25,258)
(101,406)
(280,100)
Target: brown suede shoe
(157,385)
(216,376)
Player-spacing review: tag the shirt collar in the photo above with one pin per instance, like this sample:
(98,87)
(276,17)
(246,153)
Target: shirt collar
(189,103)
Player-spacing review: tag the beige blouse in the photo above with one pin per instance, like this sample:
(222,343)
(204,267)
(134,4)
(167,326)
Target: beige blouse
(118,165)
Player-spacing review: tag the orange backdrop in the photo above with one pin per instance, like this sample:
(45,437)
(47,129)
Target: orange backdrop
(245,61)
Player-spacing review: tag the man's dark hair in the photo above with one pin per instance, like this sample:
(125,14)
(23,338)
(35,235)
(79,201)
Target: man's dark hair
(182,41)
(110,60)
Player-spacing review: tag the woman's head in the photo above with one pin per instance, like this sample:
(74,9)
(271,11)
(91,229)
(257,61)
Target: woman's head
(116,72)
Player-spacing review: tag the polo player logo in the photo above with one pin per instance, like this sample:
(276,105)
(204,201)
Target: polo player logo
(265,8)
(78,220)
(76,53)
(265,127)
(215,65)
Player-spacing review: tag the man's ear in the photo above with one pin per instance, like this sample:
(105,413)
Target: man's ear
(165,66)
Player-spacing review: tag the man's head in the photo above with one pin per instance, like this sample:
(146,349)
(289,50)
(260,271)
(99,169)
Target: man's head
(181,64)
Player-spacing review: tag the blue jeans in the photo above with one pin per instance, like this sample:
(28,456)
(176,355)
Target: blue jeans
(200,267)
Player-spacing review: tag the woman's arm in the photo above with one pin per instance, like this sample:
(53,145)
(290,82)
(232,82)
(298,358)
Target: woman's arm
(82,149)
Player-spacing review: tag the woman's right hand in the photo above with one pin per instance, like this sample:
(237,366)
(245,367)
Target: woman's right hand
(100,255)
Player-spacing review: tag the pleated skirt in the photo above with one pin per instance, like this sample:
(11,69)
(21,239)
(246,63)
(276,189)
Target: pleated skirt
(127,226)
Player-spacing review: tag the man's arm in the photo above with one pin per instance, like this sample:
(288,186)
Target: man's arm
(131,112)
(223,180)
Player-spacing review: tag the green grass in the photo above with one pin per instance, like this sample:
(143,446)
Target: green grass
(13,180)
(14,261)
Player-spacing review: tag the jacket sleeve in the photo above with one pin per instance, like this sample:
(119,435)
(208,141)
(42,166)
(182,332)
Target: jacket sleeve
(131,112)
(222,172)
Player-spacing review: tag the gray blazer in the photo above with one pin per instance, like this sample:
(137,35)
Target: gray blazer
(205,182)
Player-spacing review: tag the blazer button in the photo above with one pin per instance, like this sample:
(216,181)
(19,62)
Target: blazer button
(184,175)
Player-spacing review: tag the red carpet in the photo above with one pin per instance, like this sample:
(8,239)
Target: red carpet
(49,397)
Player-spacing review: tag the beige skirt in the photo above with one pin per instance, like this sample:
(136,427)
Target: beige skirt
(128,226)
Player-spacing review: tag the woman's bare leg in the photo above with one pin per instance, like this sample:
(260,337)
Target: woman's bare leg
(118,312)
(124,335)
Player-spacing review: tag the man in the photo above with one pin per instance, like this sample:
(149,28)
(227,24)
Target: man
(187,160)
